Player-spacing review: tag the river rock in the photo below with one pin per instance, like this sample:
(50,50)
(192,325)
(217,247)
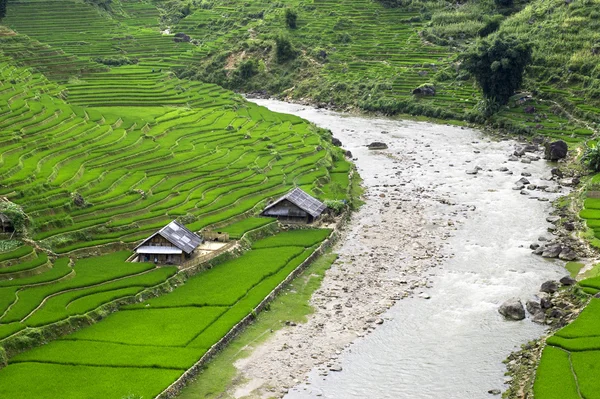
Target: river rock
(552,219)
(533,305)
(549,287)
(552,251)
(472,171)
(567,254)
(512,309)
(377,145)
(494,392)
(522,181)
(568,280)
(534,246)
(556,150)
(556,313)
(539,317)
(336,142)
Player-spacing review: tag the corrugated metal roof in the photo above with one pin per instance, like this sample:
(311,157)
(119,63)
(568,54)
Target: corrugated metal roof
(178,235)
(302,200)
(156,250)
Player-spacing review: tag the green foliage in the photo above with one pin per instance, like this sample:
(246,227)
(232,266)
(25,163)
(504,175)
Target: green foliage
(15,213)
(283,49)
(592,158)
(115,60)
(498,65)
(504,3)
(3,8)
(290,18)
(247,69)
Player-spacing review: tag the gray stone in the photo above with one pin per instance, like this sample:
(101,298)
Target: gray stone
(568,280)
(512,309)
(549,286)
(567,254)
(556,150)
(552,251)
(534,246)
(522,181)
(472,171)
(553,219)
(539,317)
(513,158)
(494,392)
(533,305)
(377,145)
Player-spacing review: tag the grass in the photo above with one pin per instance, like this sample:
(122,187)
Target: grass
(77,381)
(237,229)
(302,238)
(554,378)
(574,268)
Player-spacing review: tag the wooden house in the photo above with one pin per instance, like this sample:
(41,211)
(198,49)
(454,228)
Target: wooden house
(6,225)
(296,207)
(171,245)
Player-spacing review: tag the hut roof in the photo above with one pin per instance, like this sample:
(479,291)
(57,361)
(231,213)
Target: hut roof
(302,200)
(4,218)
(178,235)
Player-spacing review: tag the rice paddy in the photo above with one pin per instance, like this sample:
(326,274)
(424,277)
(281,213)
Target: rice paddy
(158,339)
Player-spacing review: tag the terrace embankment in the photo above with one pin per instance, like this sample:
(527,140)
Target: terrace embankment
(442,241)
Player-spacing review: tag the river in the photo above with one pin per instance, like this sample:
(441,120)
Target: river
(446,339)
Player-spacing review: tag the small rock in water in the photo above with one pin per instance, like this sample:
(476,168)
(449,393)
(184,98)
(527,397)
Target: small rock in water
(534,246)
(494,392)
(552,219)
(335,368)
(472,171)
(425,296)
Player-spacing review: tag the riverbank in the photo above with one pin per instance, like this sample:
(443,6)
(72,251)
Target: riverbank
(432,185)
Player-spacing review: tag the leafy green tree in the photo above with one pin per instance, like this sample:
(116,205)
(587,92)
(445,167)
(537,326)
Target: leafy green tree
(504,3)
(291,18)
(283,49)
(498,65)
(3,8)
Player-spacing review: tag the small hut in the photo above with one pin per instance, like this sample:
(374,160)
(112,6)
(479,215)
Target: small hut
(6,224)
(171,245)
(296,207)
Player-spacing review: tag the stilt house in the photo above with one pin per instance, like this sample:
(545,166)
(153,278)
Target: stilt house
(296,207)
(6,225)
(171,245)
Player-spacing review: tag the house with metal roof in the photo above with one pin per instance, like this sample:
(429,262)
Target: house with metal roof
(171,245)
(6,225)
(296,206)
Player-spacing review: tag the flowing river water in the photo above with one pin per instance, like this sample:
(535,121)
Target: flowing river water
(446,339)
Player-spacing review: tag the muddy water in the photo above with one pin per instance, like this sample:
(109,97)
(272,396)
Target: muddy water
(446,340)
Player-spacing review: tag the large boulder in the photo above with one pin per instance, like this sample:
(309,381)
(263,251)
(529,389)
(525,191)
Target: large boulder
(568,280)
(512,309)
(556,150)
(335,141)
(567,254)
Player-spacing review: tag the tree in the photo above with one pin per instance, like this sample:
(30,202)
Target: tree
(283,49)
(290,18)
(3,8)
(498,65)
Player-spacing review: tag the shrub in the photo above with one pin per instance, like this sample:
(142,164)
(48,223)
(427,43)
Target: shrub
(283,49)
(290,18)
(592,158)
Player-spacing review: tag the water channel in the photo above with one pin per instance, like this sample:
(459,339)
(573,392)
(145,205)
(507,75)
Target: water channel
(448,342)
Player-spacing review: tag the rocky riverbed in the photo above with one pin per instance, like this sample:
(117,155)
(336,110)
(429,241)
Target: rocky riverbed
(410,307)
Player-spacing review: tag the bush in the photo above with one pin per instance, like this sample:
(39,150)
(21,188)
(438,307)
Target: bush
(283,49)
(290,18)
(592,158)
(117,60)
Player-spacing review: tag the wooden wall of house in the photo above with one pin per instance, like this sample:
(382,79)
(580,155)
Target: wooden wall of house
(286,208)
(160,241)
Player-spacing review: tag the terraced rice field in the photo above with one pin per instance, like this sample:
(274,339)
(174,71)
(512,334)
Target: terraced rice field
(99,156)
(568,368)
(145,347)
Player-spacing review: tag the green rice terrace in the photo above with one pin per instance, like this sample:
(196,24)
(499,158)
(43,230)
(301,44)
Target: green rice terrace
(102,145)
